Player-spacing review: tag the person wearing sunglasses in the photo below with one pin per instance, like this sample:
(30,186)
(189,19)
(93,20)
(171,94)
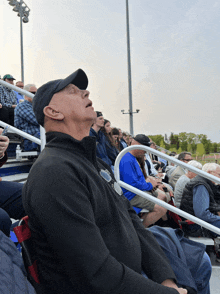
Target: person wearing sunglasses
(25,119)
(179,171)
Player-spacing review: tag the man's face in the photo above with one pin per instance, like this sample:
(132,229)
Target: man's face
(187,158)
(10,81)
(20,85)
(137,152)
(74,104)
(216,173)
(32,90)
(100,121)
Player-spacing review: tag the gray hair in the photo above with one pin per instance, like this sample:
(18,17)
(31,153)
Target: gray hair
(28,86)
(210,167)
(195,163)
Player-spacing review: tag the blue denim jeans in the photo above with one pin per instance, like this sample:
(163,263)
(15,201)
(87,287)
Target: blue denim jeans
(11,200)
(203,275)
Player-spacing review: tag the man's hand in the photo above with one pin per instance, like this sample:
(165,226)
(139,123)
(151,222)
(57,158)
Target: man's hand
(13,106)
(0,105)
(171,284)
(4,141)
(154,182)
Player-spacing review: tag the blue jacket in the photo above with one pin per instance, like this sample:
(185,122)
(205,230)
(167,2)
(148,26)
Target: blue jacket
(13,277)
(131,173)
(100,146)
(185,255)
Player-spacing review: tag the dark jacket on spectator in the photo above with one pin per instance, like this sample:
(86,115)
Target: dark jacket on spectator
(90,240)
(101,151)
(111,150)
(187,198)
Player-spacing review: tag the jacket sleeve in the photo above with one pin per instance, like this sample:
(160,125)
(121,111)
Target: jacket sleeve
(154,262)
(76,240)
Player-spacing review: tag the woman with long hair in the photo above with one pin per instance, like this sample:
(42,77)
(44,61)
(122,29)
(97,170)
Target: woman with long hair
(110,145)
(115,137)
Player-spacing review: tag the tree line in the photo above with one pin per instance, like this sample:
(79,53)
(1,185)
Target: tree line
(197,144)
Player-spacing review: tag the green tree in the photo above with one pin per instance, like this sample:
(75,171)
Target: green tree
(156,138)
(200,149)
(215,147)
(183,140)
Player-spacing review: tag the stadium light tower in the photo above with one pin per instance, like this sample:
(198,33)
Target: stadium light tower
(23,12)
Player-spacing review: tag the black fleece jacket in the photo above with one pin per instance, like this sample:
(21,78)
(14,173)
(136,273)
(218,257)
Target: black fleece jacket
(87,237)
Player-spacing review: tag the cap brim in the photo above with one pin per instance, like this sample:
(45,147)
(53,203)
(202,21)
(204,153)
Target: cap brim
(78,78)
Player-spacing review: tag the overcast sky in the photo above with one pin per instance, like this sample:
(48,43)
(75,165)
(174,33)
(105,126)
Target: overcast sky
(175,57)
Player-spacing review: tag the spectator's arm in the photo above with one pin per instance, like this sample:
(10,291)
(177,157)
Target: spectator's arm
(129,175)
(201,204)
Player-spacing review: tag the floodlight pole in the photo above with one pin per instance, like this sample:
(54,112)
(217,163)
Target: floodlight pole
(21,33)
(129,71)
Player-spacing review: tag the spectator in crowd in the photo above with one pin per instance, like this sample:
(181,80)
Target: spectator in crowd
(115,136)
(154,158)
(110,145)
(163,161)
(183,180)
(199,197)
(19,96)
(96,132)
(132,172)
(129,140)
(122,137)
(179,171)
(90,240)
(8,101)
(10,193)
(25,119)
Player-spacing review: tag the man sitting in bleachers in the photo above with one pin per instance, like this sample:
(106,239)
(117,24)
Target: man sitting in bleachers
(179,171)
(132,173)
(199,197)
(87,237)
(25,119)
(183,180)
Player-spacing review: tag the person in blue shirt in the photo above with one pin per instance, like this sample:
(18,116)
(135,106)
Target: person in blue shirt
(19,96)
(132,172)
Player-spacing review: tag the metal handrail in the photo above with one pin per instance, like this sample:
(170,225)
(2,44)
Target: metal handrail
(42,140)
(158,201)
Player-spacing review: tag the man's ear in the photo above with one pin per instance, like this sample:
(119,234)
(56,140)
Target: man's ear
(51,113)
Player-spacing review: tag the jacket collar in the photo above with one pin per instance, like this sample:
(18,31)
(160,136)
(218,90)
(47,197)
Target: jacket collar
(86,147)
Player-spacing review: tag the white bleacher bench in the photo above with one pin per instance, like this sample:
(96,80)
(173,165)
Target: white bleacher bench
(204,240)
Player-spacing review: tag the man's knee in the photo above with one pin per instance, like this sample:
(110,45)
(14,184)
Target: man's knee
(159,209)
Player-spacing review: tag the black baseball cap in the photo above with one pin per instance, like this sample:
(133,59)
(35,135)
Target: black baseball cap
(99,113)
(142,139)
(45,93)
